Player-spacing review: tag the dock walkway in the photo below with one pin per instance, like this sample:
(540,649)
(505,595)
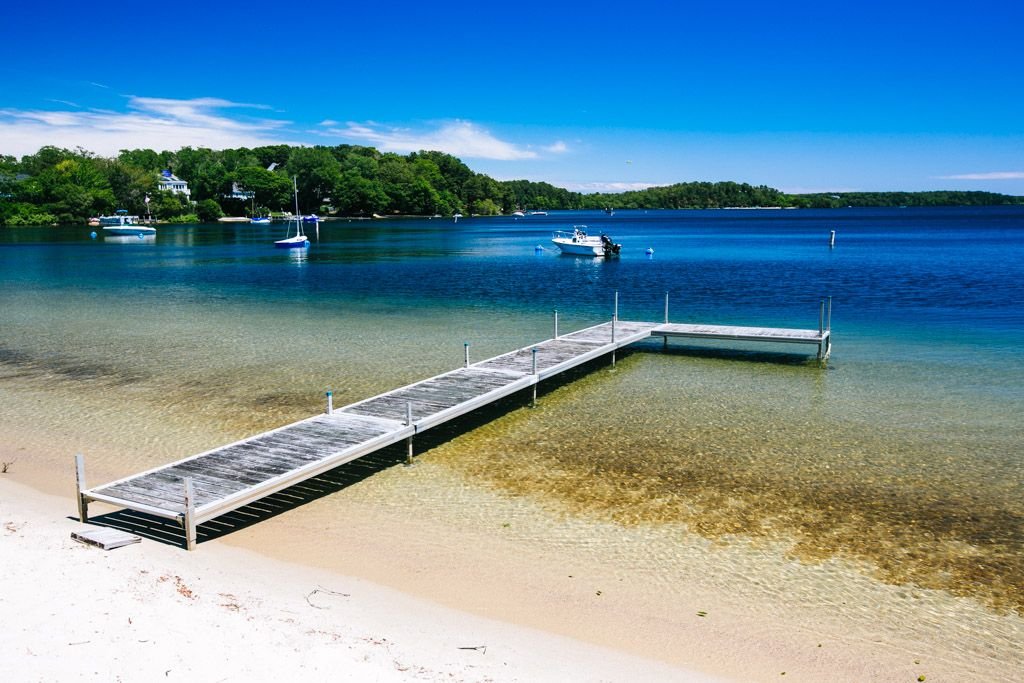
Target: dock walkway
(208,485)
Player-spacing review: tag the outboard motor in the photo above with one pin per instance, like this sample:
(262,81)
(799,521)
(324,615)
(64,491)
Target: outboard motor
(610,248)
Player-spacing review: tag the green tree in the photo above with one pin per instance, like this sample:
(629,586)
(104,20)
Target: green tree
(317,173)
(271,189)
(208,211)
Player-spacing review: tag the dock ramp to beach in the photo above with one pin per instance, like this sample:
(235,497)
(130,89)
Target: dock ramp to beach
(205,486)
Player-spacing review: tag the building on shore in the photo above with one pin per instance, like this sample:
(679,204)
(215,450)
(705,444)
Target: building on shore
(172,183)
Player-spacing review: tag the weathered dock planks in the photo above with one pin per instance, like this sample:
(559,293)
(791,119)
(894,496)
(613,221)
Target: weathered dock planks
(205,486)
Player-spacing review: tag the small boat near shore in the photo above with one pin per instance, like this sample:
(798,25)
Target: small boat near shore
(123,224)
(579,243)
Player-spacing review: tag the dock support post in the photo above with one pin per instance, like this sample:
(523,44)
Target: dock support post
(465,346)
(666,308)
(330,402)
(615,315)
(83,504)
(821,317)
(190,515)
(408,441)
(556,324)
(828,325)
(533,403)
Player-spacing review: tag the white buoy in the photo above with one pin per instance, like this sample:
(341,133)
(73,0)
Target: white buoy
(650,251)
(832,239)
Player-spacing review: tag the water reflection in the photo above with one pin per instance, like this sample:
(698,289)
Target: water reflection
(130,239)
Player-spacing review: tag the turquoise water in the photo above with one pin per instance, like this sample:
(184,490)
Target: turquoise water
(904,453)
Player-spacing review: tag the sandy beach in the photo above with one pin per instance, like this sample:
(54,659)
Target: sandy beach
(400,598)
(150,611)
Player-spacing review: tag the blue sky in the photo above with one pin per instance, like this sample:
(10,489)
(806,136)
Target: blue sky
(590,96)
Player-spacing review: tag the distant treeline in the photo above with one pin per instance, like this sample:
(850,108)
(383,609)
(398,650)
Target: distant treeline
(935,198)
(58,185)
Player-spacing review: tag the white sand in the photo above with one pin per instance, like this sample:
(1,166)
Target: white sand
(149,612)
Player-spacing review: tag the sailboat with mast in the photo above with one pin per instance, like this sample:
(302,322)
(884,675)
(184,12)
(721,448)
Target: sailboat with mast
(299,239)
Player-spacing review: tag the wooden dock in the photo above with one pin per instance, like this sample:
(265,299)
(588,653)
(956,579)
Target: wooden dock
(205,486)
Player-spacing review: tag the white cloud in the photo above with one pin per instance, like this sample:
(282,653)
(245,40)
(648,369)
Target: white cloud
(995,175)
(557,148)
(458,138)
(155,123)
(612,186)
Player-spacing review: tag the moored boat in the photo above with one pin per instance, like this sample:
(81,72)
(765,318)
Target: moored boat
(123,224)
(299,239)
(579,243)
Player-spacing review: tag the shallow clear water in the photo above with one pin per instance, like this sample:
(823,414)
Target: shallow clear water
(904,454)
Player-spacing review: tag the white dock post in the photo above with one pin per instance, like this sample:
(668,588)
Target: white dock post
(83,504)
(190,515)
(330,402)
(615,315)
(408,441)
(828,325)
(664,339)
(465,346)
(533,403)
(832,239)
(821,326)
(556,324)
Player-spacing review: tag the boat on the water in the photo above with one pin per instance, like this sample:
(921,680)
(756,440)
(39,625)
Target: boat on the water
(123,224)
(518,213)
(536,213)
(260,220)
(299,239)
(579,243)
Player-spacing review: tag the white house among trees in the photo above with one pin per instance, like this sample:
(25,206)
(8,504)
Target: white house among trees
(172,183)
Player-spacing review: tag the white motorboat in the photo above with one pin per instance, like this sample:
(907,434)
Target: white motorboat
(579,243)
(299,239)
(123,224)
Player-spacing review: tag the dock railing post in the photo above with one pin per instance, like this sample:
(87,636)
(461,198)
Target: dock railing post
(190,515)
(533,402)
(556,324)
(666,308)
(828,326)
(821,317)
(408,441)
(465,346)
(83,504)
(330,402)
(615,315)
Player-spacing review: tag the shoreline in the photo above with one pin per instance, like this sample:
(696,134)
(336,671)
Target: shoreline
(600,610)
(150,611)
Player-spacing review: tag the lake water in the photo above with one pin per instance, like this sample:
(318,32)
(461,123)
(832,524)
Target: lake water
(903,456)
